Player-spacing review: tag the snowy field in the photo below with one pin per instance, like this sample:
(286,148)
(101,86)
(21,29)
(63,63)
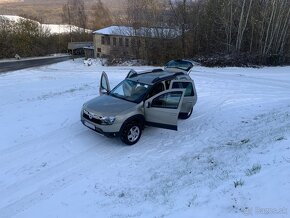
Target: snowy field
(231,158)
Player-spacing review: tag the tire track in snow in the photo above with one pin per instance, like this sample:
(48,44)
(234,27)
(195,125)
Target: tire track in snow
(37,143)
(75,138)
(245,79)
(64,174)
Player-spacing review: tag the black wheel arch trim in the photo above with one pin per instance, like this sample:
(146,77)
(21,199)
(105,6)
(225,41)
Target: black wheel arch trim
(138,117)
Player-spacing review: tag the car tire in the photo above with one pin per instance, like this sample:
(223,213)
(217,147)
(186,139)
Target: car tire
(185,116)
(131,133)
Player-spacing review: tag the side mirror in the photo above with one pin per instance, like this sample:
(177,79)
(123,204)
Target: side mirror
(104,92)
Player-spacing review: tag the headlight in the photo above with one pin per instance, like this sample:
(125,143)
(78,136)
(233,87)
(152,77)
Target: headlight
(107,120)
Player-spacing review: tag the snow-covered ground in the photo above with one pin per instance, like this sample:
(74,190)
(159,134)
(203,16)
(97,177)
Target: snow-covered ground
(230,159)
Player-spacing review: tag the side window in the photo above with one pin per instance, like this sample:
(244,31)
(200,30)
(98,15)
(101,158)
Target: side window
(156,89)
(104,83)
(184,85)
(168,100)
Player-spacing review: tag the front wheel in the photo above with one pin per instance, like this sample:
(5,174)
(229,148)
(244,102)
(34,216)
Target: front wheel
(131,133)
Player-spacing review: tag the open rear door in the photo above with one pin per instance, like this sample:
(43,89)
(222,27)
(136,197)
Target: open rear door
(162,110)
(190,97)
(131,73)
(104,84)
(179,66)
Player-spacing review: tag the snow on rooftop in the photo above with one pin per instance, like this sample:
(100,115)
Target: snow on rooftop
(154,32)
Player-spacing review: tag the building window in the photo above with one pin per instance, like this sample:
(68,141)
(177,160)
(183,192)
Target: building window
(114,41)
(103,40)
(133,43)
(99,50)
(127,42)
(108,40)
(120,41)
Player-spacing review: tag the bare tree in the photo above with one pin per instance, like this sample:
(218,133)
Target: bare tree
(244,17)
(101,15)
(67,17)
(277,27)
(144,13)
(74,13)
(228,23)
(180,12)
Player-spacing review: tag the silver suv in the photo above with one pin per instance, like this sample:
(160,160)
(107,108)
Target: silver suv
(152,98)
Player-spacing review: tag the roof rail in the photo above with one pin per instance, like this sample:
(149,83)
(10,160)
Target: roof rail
(157,70)
(158,79)
(133,73)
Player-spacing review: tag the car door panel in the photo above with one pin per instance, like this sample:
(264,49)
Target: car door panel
(189,98)
(162,110)
(104,84)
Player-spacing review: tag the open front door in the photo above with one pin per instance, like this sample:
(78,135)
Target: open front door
(104,84)
(162,110)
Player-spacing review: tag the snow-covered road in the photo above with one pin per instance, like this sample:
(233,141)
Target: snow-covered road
(231,158)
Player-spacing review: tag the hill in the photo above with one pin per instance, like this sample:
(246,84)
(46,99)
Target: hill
(49,11)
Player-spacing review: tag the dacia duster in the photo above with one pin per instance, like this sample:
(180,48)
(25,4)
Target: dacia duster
(152,98)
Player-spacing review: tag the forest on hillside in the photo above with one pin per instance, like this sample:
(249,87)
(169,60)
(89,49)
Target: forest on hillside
(221,32)
(215,32)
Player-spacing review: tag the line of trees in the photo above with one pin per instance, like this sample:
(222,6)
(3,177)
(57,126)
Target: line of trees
(24,38)
(231,31)
(29,38)
(225,32)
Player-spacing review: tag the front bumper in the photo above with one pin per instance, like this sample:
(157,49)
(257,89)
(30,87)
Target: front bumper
(100,131)
(107,130)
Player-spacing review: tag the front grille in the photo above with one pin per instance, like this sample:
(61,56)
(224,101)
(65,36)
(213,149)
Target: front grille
(94,120)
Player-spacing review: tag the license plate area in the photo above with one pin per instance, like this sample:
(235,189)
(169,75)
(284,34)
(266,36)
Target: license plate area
(91,126)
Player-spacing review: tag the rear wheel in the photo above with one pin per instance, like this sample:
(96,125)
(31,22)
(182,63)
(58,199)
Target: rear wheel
(131,133)
(185,116)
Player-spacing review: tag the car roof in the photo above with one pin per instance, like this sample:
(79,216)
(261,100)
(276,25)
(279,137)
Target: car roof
(154,76)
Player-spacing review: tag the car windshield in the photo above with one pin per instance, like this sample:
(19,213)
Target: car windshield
(180,64)
(130,90)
